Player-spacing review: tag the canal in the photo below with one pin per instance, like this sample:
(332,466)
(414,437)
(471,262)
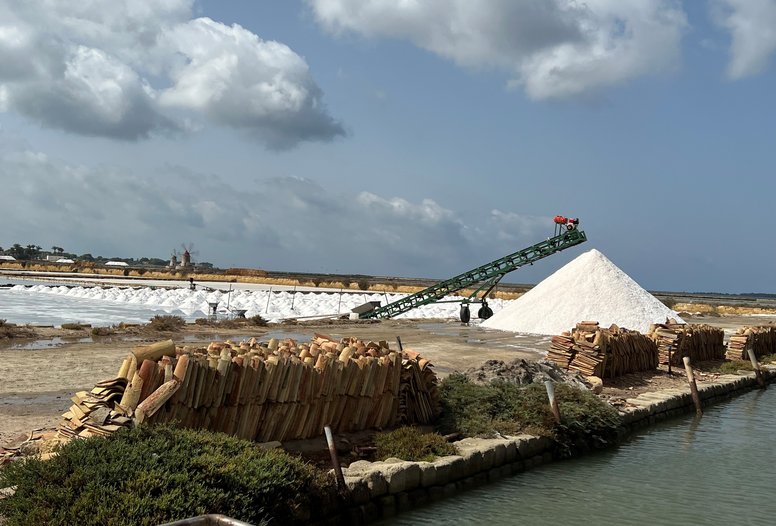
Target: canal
(719,469)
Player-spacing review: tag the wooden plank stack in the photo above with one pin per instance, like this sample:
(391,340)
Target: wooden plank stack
(761,339)
(698,341)
(606,353)
(278,390)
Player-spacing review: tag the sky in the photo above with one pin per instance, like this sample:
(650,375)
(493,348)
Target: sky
(413,138)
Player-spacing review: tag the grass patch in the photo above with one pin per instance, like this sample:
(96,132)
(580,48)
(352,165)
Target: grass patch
(733,366)
(166,323)
(410,443)
(509,409)
(152,475)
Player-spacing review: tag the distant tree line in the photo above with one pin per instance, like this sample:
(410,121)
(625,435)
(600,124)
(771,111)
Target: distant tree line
(30,252)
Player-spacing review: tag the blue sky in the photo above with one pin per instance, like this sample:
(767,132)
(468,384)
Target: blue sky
(377,137)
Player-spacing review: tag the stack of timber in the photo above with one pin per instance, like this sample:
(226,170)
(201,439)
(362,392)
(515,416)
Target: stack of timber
(698,341)
(762,340)
(603,352)
(278,390)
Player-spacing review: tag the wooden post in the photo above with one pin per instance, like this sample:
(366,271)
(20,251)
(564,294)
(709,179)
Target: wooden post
(339,303)
(553,402)
(341,486)
(757,371)
(269,295)
(696,398)
(398,342)
(293,298)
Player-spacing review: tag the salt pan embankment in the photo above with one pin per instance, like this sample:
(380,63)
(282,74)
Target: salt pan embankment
(588,288)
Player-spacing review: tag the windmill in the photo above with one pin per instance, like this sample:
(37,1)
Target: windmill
(188,251)
(174,259)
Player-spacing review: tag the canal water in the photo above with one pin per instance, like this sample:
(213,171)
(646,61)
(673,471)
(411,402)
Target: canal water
(716,470)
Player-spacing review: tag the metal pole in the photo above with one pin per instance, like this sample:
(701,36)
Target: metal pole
(341,486)
(553,402)
(398,342)
(269,295)
(293,298)
(696,398)
(757,371)
(340,302)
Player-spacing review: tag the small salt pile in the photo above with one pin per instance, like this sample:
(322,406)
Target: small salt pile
(588,288)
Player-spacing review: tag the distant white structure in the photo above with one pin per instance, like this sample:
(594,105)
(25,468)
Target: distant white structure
(7,258)
(116,264)
(64,260)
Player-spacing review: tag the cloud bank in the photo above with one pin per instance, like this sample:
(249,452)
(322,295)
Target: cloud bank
(553,49)
(752,28)
(286,223)
(130,69)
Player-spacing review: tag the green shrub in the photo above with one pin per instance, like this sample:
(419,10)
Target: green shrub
(410,443)
(733,366)
(509,409)
(166,323)
(151,475)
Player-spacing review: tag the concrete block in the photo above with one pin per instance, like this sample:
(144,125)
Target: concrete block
(449,489)
(428,474)
(403,501)
(387,505)
(370,512)
(500,453)
(510,451)
(418,497)
(359,492)
(473,462)
(436,493)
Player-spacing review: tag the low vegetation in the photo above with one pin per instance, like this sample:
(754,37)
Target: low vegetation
(75,326)
(153,475)
(411,443)
(166,323)
(9,331)
(232,323)
(509,409)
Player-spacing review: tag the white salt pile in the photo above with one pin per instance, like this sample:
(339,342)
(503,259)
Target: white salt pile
(588,288)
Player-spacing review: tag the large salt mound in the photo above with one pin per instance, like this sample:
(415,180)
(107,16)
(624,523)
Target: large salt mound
(588,288)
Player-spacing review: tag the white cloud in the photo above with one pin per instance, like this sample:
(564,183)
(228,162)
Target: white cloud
(286,223)
(119,69)
(237,79)
(551,48)
(752,28)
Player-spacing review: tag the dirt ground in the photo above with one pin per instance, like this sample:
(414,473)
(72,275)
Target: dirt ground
(38,377)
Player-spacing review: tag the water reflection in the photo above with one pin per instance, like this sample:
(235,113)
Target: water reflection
(716,470)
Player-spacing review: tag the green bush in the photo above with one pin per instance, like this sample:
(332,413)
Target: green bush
(410,443)
(152,475)
(509,409)
(733,366)
(166,323)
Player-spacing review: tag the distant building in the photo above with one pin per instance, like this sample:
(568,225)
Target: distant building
(116,264)
(64,260)
(7,258)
